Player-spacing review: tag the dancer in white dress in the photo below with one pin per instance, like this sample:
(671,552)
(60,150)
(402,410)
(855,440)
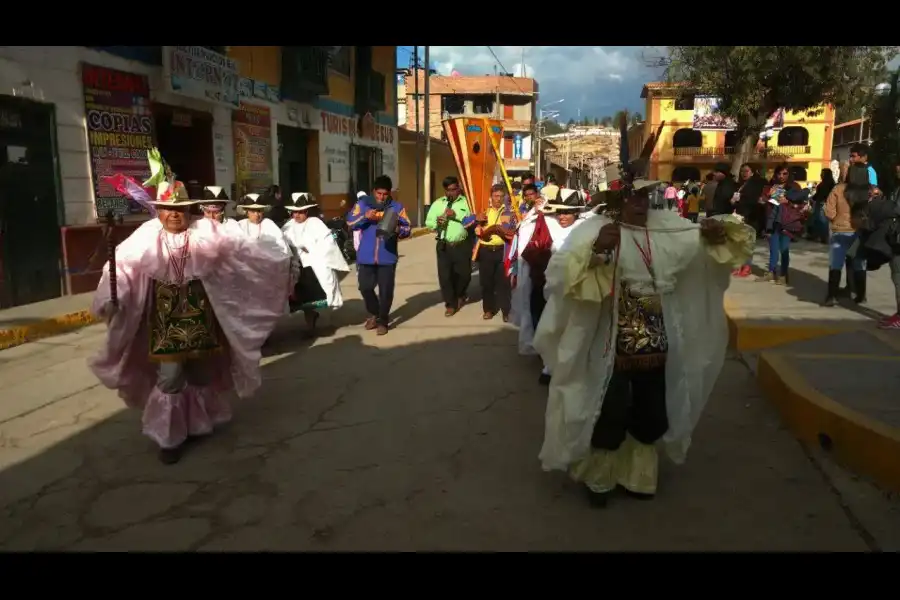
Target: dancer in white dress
(213,207)
(313,242)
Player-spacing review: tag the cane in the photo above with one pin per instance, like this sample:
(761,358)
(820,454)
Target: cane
(111,257)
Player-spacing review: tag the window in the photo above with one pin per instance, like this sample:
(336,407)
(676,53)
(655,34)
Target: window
(687,138)
(454,105)
(684,103)
(793,136)
(341,61)
(482,105)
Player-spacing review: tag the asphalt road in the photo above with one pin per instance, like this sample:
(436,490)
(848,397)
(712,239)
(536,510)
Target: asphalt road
(424,439)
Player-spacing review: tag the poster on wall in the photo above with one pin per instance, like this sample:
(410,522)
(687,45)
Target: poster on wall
(252,148)
(200,73)
(707,117)
(120,131)
(337,133)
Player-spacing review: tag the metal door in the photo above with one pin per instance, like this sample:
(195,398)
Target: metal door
(29,203)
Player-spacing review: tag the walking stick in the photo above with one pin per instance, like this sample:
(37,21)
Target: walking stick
(111,257)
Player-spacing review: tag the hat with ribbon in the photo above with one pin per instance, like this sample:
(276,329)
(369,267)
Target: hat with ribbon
(567,202)
(301,201)
(170,192)
(253,202)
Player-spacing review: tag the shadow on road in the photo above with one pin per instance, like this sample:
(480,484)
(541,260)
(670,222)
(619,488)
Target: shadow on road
(367,443)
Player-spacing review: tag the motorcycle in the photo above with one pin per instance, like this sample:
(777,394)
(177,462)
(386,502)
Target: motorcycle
(343,237)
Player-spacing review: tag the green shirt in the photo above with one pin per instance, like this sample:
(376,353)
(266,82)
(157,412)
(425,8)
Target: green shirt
(455,230)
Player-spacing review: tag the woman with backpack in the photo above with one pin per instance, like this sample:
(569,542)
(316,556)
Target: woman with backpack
(845,203)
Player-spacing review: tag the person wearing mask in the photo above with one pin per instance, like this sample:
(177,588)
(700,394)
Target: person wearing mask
(633,361)
(746,203)
(449,217)
(708,192)
(818,223)
(783,223)
(376,261)
(843,200)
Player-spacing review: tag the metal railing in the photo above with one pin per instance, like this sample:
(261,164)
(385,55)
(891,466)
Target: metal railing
(773,152)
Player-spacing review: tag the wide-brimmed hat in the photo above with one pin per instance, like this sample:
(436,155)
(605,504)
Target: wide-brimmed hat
(301,201)
(568,201)
(252,202)
(214,194)
(169,191)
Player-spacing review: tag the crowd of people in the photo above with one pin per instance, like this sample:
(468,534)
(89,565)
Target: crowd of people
(592,287)
(191,296)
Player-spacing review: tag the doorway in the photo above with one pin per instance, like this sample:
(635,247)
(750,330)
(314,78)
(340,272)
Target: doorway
(293,169)
(29,203)
(185,140)
(366,163)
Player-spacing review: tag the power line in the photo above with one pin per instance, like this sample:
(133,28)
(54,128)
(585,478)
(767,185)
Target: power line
(505,71)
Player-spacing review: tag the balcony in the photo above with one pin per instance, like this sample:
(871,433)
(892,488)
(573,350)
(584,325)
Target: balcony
(304,72)
(370,91)
(773,152)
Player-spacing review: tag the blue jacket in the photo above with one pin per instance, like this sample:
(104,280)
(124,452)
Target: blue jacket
(374,250)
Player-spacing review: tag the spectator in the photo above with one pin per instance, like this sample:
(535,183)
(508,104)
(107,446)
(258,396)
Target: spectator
(709,190)
(783,223)
(859,155)
(724,194)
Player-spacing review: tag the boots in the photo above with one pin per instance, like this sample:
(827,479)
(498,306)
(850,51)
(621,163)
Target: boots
(859,286)
(834,282)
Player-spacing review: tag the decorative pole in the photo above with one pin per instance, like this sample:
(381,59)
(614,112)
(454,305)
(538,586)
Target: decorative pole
(111,257)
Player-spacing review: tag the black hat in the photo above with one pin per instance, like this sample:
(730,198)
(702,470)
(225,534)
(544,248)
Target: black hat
(568,201)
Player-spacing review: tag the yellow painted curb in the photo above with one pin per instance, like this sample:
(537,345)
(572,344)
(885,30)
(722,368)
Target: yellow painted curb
(856,441)
(748,336)
(16,336)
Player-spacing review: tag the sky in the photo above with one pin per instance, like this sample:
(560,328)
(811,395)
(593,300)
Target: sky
(598,81)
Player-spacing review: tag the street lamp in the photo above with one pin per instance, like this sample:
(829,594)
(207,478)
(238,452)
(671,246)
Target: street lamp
(541,117)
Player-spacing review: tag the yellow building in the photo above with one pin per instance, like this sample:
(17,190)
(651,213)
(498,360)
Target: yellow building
(683,153)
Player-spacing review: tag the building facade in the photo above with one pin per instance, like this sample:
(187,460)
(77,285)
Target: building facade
(684,153)
(320,119)
(457,96)
(849,133)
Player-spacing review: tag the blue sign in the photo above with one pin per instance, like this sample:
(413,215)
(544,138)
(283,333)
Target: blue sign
(517,147)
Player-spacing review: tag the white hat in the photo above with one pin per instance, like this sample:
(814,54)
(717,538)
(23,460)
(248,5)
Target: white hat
(301,201)
(360,194)
(249,202)
(568,201)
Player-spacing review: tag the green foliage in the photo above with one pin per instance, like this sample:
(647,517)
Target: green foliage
(885,151)
(552,127)
(753,81)
(636,118)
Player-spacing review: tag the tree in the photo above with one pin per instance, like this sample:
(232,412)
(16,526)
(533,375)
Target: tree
(636,118)
(885,151)
(596,121)
(569,123)
(751,82)
(606,121)
(617,119)
(552,127)
(586,121)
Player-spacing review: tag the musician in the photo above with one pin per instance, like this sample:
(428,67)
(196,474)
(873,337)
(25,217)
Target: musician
(623,296)
(494,229)
(541,234)
(178,339)
(313,242)
(450,219)
(376,260)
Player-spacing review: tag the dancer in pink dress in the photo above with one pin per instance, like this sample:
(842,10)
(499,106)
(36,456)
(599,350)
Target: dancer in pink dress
(193,306)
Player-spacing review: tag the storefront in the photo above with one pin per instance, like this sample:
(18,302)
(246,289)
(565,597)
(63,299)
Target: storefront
(352,152)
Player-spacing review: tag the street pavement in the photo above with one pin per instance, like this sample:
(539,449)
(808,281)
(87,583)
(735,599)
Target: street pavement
(424,439)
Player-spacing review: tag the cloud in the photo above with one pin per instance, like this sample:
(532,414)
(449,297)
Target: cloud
(595,80)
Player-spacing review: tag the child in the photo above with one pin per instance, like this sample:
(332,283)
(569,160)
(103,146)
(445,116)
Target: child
(692,204)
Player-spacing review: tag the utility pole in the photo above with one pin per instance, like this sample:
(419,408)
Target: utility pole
(537,134)
(419,205)
(497,110)
(427,186)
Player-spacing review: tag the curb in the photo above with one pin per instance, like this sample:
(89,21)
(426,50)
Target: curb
(854,440)
(16,336)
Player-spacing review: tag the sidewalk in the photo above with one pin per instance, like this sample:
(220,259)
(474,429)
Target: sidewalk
(830,372)
(31,322)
